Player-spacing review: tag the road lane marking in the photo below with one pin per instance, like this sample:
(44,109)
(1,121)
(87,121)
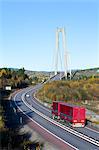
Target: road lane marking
(45,128)
(82,136)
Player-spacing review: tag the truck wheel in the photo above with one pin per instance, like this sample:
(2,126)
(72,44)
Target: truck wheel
(53,116)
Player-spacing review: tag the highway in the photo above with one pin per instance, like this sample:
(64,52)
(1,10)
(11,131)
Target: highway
(35,103)
(42,116)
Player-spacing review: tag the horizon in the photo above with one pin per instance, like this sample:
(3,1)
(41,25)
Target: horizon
(27,33)
(46,71)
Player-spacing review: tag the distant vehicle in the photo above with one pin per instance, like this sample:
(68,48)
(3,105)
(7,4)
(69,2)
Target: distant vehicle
(71,114)
(27,95)
(8,88)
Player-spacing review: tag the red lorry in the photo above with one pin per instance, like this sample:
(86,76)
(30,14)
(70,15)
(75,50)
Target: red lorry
(56,110)
(74,115)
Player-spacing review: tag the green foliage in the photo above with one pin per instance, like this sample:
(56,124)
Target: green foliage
(2,124)
(71,90)
(14,78)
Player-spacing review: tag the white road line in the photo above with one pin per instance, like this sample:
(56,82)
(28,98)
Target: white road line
(37,100)
(92,129)
(82,136)
(45,128)
(50,111)
(58,124)
(40,102)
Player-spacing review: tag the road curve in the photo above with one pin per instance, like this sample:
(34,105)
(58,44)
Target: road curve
(32,100)
(73,141)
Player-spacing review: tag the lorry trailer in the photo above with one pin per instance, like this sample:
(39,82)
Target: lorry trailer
(71,114)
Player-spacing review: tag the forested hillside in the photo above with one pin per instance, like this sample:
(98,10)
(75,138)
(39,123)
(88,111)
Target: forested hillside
(10,126)
(79,92)
(14,78)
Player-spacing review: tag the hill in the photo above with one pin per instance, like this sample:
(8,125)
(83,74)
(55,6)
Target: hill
(83,92)
(76,74)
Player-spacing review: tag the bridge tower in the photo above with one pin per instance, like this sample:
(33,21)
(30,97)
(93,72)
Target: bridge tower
(66,57)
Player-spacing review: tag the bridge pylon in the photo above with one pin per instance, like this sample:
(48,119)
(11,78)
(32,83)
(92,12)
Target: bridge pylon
(66,57)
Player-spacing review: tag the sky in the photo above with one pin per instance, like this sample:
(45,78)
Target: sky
(28,28)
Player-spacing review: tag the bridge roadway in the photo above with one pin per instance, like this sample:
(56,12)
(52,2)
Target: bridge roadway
(73,140)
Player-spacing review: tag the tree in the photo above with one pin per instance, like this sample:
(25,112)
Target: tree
(2,124)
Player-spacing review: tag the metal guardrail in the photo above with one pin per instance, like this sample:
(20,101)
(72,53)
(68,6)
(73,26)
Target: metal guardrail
(76,133)
(45,128)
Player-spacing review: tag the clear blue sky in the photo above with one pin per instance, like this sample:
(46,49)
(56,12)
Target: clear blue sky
(27,32)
